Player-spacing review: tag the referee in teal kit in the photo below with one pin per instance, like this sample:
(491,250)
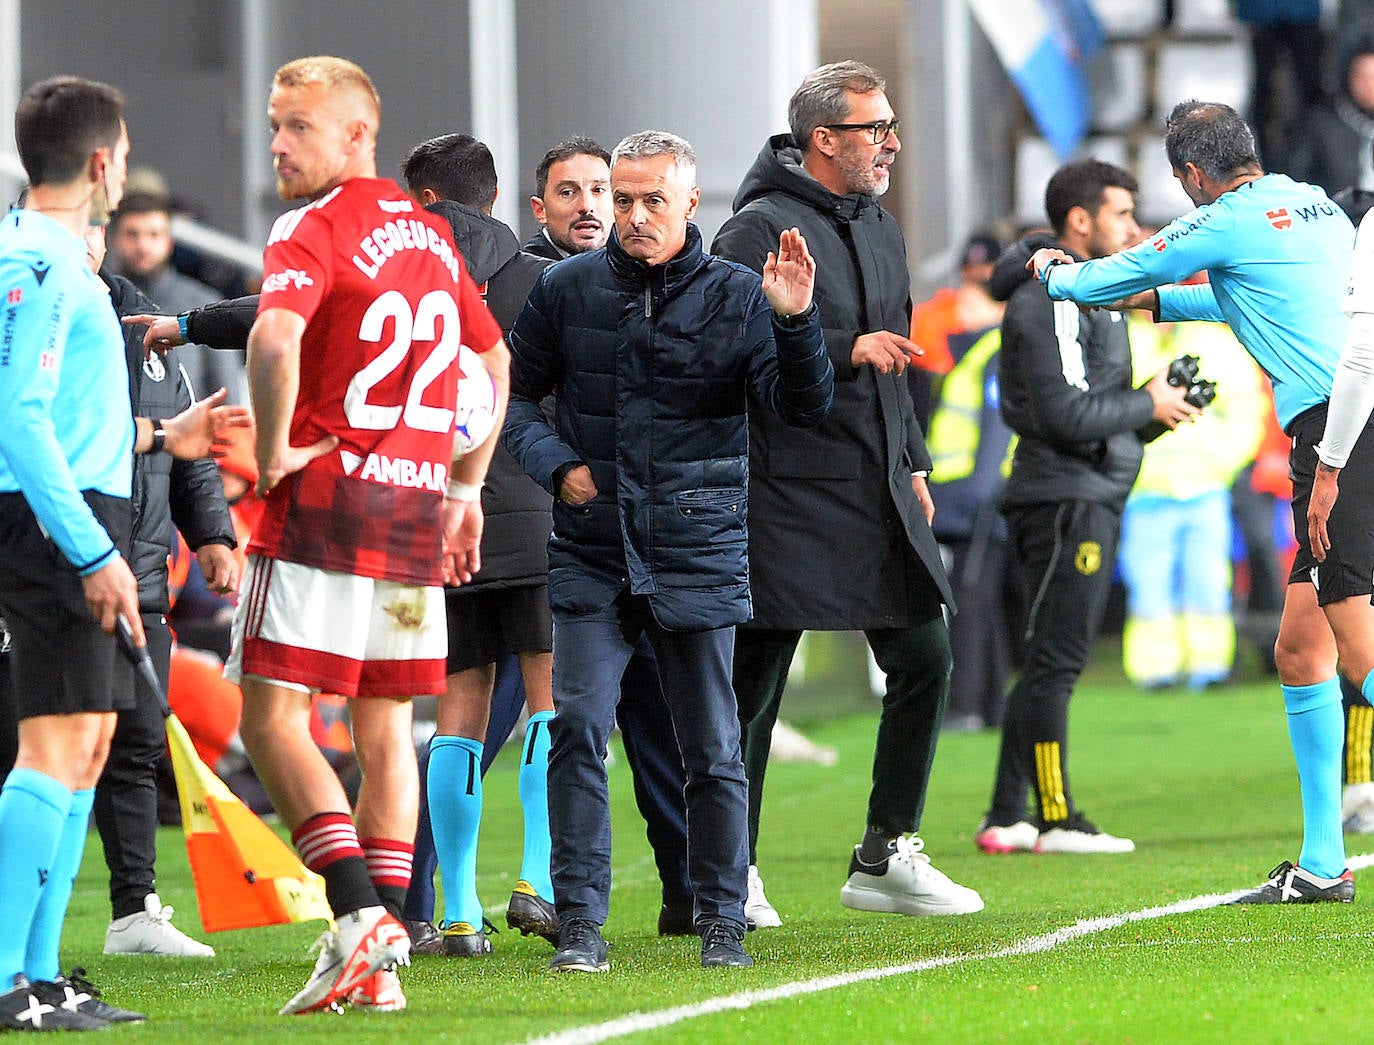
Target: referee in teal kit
(65,474)
(1278,254)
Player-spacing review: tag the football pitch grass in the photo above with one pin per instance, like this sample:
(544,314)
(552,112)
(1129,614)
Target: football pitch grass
(1203,783)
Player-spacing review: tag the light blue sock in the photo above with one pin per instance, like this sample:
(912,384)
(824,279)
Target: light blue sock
(33,809)
(41,960)
(455,814)
(1316,727)
(534,800)
(1367,687)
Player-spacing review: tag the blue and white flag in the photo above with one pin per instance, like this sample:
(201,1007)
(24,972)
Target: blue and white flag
(1043,45)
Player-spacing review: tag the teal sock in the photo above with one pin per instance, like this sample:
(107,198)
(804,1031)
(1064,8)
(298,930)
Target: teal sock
(1316,727)
(41,959)
(455,814)
(33,808)
(1367,687)
(534,800)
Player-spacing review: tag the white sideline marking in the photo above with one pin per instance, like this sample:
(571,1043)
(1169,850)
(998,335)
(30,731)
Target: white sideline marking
(636,1022)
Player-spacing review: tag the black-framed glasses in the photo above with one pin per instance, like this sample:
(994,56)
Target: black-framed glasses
(877,129)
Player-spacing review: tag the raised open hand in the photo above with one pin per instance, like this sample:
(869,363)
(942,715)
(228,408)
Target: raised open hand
(789,275)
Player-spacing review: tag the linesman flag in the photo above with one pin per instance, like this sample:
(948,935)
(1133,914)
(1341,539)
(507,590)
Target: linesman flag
(245,875)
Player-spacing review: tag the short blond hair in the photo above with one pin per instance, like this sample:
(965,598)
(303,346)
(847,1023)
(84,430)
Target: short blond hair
(334,73)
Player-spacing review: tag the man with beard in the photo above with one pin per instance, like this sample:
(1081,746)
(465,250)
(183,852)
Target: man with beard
(572,200)
(365,515)
(840,515)
(141,242)
(1067,394)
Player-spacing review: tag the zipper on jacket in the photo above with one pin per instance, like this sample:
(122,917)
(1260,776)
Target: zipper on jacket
(648,300)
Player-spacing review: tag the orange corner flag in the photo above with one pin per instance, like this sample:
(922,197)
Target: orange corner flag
(245,875)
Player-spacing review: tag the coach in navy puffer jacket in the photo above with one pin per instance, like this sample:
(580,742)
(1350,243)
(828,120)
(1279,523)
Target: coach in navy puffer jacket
(652,368)
(653,350)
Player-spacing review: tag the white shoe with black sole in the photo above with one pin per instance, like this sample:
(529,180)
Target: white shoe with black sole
(151,931)
(905,883)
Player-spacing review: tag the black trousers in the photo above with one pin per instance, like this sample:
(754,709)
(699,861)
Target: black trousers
(1067,551)
(917,661)
(126,796)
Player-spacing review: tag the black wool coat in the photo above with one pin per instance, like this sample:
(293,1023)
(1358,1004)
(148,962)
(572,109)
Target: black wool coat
(838,540)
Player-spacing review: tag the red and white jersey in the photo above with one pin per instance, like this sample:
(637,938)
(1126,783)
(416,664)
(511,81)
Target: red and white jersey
(387,301)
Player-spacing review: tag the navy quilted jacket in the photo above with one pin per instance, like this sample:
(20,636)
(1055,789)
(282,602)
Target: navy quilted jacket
(652,368)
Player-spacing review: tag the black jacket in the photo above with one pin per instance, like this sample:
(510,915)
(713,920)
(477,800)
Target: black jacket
(166,491)
(223,325)
(653,369)
(839,540)
(1066,392)
(542,247)
(502,270)
(517,511)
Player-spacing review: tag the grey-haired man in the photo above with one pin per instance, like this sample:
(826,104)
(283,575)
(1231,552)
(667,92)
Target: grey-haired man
(654,348)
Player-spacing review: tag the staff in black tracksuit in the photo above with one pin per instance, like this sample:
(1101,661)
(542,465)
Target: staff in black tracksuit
(166,492)
(1067,393)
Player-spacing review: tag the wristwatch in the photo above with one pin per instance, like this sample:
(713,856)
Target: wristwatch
(159,438)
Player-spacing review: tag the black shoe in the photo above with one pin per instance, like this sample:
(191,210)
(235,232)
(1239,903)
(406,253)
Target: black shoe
(27,1006)
(461,940)
(1290,884)
(532,914)
(675,917)
(580,948)
(424,938)
(76,993)
(722,947)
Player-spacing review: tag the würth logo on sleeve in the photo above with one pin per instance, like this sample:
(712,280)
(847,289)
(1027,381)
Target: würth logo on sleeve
(47,361)
(1279,218)
(1159,245)
(15,296)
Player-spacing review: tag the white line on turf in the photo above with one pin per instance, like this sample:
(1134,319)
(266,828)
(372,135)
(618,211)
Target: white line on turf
(637,1022)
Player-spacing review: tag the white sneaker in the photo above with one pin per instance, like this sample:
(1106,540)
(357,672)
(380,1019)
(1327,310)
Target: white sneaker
(906,883)
(1021,836)
(1357,809)
(151,932)
(1079,835)
(364,942)
(758,912)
